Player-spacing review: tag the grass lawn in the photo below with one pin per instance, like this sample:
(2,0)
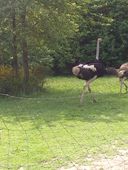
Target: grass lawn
(53,130)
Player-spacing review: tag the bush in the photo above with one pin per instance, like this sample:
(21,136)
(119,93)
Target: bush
(9,84)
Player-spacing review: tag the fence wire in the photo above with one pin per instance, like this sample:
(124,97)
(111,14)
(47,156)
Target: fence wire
(31,138)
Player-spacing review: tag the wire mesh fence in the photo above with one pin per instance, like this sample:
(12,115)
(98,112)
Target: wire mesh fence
(56,132)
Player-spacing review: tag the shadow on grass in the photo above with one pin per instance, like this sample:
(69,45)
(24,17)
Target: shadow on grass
(62,105)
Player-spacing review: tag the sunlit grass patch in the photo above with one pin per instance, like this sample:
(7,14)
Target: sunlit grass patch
(52,130)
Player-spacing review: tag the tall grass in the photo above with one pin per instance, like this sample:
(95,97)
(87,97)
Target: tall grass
(53,130)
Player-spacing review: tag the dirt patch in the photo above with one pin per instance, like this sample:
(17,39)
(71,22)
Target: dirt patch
(118,162)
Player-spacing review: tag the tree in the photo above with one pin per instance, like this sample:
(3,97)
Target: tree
(14,39)
(35,25)
(106,19)
(116,38)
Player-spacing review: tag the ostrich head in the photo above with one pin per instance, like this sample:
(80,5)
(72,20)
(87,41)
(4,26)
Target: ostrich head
(99,39)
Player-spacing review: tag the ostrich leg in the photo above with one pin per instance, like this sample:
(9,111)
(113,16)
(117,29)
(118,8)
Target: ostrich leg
(121,85)
(126,87)
(87,87)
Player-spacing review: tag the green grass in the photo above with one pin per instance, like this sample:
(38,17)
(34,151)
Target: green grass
(52,129)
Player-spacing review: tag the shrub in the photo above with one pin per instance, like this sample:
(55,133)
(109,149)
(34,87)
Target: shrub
(9,84)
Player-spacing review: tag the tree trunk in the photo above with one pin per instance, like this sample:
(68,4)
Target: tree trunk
(24,46)
(14,44)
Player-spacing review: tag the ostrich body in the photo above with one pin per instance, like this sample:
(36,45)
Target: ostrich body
(89,72)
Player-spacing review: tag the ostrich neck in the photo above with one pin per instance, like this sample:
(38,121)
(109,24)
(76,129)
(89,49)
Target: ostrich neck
(97,50)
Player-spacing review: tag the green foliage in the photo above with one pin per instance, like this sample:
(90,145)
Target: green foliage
(47,25)
(11,85)
(61,33)
(117,34)
(106,19)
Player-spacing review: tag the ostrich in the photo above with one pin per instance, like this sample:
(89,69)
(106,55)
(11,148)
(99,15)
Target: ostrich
(122,73)
(90,71)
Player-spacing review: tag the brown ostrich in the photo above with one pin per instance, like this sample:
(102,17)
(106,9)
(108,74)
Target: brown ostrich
(122,73)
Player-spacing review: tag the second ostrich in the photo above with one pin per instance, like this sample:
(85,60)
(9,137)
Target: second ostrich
(122,73)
